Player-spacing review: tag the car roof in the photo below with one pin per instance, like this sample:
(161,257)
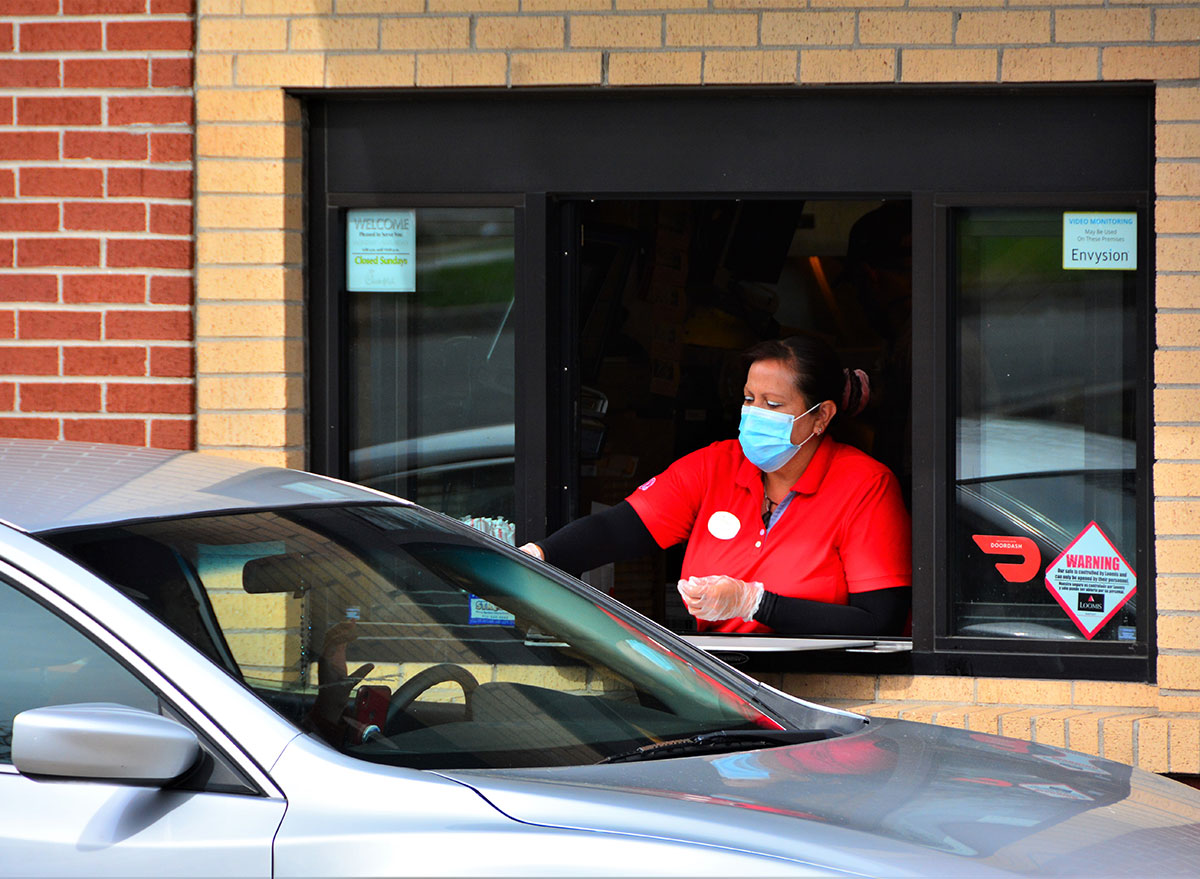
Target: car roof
(47,484)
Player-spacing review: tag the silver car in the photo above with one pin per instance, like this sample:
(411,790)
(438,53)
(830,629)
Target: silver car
(213,668)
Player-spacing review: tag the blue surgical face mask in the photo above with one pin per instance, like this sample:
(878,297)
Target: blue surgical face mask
(766,437)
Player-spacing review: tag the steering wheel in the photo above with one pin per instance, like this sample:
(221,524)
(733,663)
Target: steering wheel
(408,692)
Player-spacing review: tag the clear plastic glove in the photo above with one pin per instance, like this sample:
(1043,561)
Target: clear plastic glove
(534,550)
(720,598)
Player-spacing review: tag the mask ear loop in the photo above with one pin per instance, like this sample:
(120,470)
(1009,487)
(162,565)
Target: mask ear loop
(805,412)
(816,430)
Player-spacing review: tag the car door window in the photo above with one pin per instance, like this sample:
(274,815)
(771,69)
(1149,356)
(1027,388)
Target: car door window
(80,826)
(46,661)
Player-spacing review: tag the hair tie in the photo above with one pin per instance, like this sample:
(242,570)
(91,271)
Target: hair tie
(856,380)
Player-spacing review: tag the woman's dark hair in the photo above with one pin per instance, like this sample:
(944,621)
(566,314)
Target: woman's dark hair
(817,370)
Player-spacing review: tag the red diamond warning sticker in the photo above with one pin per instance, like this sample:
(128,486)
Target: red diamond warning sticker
(1091,580)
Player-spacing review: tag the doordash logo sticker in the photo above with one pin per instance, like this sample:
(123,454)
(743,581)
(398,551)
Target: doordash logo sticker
(1014,572)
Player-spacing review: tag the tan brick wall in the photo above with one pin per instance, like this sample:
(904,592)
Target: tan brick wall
(249,258)
(1177,432)
(249,225)
(1141,724)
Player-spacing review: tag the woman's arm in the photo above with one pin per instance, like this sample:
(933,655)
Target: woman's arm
(612,535)
(878,612)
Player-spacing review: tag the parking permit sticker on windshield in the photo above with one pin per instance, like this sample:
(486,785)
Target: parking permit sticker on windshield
(484,613)
(1091,580)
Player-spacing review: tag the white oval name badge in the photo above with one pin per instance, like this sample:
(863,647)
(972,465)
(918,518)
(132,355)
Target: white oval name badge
(723,525)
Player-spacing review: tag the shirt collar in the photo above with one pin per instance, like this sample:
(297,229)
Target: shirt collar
(810,480)
(749,476)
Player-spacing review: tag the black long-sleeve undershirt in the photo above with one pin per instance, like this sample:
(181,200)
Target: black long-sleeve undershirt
(615,534)
(878,612)
(618,534)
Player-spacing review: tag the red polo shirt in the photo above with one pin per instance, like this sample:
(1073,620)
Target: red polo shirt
(846,530)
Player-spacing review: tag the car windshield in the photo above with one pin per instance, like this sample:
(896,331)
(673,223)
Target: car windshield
(402,637)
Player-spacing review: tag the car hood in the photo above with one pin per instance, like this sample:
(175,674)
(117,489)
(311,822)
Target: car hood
(899,798)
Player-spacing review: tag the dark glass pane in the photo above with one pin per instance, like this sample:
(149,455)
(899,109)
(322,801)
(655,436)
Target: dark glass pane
(431,372)
(1045,442)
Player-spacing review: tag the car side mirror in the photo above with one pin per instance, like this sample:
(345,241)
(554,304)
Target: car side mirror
(102,741)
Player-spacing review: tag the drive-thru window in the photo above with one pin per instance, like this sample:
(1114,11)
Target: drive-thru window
(525,305)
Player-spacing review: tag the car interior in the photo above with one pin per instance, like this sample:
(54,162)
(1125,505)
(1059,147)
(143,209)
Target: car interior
(406,638)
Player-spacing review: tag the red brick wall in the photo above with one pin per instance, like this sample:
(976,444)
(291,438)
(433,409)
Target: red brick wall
(96,246)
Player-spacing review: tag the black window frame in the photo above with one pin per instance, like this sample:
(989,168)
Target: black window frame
(935,650)
(328,385)
(996,146)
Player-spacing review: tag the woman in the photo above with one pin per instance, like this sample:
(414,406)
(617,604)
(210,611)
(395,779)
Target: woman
(787,530)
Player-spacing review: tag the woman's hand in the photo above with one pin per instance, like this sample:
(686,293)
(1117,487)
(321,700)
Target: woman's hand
(534,550)
(720,597)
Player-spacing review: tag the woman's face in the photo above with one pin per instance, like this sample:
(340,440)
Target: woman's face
(771,384)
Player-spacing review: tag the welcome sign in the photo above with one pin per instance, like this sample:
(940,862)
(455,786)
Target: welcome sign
(381,251)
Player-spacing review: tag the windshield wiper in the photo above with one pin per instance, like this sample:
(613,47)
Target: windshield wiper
(721,741)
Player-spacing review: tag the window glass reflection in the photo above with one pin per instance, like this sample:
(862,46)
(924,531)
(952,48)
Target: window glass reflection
(430,413)
(1045,442)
